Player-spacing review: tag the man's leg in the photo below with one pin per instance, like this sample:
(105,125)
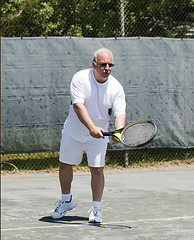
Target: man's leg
(65,177)
(66,203)
(97,183)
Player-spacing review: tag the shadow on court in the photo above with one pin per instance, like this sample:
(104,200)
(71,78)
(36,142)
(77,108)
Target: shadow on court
(76,220)
(137,205)
(64,220)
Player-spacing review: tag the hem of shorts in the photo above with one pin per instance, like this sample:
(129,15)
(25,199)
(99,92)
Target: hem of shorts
(73,164)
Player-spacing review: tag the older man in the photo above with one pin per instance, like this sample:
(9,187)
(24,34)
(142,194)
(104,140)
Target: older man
(95,94)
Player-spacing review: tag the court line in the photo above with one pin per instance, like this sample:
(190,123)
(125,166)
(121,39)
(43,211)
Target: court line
(156,219)
(104,223)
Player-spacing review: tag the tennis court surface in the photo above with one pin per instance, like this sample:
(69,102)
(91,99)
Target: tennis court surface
(144,204)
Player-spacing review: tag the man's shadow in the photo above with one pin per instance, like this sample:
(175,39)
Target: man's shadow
(64,220)
(77,220)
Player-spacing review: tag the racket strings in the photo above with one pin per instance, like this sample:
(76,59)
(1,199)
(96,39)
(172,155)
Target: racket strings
(138,134)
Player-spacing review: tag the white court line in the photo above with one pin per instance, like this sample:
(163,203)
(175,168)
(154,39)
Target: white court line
(104,223)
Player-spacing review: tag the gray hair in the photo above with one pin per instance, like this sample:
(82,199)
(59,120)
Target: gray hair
(100,51)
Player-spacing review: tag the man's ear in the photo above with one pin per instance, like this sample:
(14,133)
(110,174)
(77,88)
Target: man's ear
(93,64)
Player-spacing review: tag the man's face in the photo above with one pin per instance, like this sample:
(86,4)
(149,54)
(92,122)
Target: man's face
(102,71)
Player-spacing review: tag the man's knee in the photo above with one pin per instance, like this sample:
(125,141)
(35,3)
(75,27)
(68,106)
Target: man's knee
(96,171)
(64,166)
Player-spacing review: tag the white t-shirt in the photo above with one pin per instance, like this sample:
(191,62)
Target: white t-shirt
(100,99)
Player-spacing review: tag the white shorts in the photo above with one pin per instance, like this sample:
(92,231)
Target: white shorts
(71,151)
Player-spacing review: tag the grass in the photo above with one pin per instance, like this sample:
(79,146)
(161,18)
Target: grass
(115,159)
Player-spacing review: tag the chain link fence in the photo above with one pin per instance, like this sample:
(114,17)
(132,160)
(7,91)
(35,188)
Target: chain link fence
(97,19)
(114,158)
(102,18)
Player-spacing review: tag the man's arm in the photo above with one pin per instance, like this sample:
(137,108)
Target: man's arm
(84,117)
(119,123)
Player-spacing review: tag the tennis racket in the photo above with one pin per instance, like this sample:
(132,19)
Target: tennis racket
(136,134)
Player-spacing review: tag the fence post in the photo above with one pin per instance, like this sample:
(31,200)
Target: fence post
(126,159)
(122,18)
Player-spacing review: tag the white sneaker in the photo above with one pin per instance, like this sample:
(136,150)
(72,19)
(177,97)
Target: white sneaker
(95,215)
(62,208)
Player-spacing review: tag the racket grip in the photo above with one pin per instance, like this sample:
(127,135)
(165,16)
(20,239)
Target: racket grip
(107,134)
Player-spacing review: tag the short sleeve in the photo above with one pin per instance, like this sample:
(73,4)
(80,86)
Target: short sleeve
(119,103)
(77,89)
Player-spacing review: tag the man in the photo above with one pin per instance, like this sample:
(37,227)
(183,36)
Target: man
(95,94)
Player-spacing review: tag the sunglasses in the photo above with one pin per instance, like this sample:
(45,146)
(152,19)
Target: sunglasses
(104,64)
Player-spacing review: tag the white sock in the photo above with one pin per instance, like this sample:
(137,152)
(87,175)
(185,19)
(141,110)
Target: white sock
(66,197)
(96,204)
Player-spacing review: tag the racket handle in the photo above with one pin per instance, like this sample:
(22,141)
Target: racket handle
(107,134)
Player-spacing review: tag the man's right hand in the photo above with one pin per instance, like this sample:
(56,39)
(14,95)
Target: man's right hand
(96,132)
